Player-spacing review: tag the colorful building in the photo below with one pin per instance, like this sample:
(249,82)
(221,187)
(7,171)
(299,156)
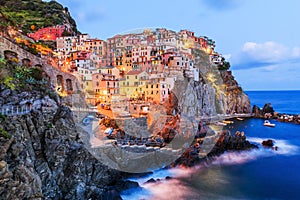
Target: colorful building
(105,87)
(49,33)
(132,82)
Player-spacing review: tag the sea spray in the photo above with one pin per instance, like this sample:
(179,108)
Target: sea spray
(176,188)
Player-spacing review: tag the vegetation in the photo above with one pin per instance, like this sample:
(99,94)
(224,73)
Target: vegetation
(30,15)
(4,133)
(2,117)
(225,66)
(16,77)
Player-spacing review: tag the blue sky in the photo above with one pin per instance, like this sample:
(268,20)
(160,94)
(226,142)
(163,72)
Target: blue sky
(260,38)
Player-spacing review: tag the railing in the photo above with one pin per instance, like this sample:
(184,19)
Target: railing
(16,110)
(79,109)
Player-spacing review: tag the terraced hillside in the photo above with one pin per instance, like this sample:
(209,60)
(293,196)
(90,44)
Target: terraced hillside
(30,15)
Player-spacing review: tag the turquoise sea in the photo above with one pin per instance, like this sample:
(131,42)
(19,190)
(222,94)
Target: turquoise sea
(257,174)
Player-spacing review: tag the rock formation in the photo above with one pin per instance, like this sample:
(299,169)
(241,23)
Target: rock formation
(42,157)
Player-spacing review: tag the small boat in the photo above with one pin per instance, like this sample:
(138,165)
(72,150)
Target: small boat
(228,121)
(220,124)
(268,123)
(240,119)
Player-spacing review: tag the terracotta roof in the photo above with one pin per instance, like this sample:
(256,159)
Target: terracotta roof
(134,72)
(107,67)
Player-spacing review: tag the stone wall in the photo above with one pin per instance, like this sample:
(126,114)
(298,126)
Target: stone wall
(49,66)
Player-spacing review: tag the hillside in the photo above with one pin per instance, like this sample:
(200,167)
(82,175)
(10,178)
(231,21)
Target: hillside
(29,16)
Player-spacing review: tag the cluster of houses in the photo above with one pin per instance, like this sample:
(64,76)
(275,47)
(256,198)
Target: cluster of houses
(143,65)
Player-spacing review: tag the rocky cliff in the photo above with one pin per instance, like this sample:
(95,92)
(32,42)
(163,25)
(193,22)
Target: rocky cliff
(42,156)
(44,159)
(216,92)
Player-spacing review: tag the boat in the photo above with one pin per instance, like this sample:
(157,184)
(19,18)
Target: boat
(240,119)
(220,124)
(227,122)
(268,123)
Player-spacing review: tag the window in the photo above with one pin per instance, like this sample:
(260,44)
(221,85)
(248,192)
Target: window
(135,77)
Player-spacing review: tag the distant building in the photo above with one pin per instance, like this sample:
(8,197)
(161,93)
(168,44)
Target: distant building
(49,33)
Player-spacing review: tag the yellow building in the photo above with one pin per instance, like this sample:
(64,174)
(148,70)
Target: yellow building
(131,84)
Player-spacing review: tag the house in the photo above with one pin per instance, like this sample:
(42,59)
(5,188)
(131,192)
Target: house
(132,82)
(105,87)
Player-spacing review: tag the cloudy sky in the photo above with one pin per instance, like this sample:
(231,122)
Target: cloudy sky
(260,38)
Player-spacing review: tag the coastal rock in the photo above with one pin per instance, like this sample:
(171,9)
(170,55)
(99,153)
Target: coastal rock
(225,142)
(151,180)
(266,112)
(257,112)
(268,108)
(268,143)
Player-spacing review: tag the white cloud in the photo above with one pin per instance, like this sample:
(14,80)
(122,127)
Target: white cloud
(267,52)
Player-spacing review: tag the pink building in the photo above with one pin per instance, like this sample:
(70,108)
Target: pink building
(48,33)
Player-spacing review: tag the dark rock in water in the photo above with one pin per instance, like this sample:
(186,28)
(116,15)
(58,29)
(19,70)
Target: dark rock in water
(268,143)
(151,180)
(275,148)
(225,142)
(257,112)
(266,112)
(268,108)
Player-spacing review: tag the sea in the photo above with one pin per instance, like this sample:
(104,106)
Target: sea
(260,173)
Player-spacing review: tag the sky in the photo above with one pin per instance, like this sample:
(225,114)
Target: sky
(260,38)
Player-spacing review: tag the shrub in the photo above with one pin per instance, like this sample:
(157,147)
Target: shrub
(5,134)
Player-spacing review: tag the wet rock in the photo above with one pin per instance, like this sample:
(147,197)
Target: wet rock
(257,112)
(268,143)
(268,108)
(151,180)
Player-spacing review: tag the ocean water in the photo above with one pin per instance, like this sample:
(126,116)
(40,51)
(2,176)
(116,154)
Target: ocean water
(282,101)
(256,174)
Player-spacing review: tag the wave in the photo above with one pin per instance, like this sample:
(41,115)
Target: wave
(284,147)
(176,189)
(233,158)
(163,190)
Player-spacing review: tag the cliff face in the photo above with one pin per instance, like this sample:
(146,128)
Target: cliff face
(41,156)
(216,92)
